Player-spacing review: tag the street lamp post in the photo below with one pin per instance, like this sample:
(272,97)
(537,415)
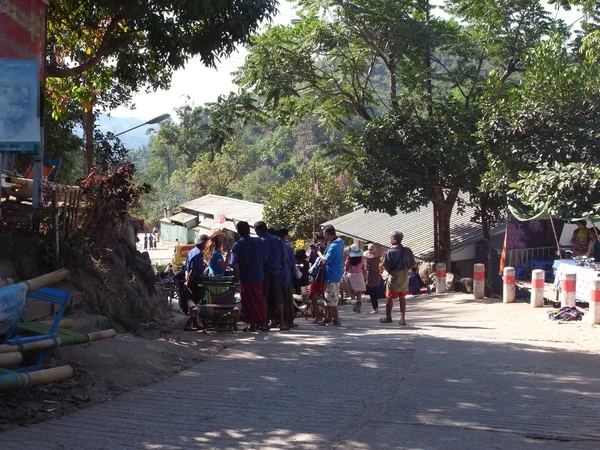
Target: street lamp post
(89,154)
(158,119)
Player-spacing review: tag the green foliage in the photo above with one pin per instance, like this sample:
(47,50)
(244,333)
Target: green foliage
(212,176)
(524,127)
(406,159)
(297,206)
(151,204)
(258,185)
(108,49)
(562,190)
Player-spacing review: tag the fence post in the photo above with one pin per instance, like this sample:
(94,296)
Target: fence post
(595,301)
(568,286)
(508,288)
(537,288)
(440,273)
(479,281)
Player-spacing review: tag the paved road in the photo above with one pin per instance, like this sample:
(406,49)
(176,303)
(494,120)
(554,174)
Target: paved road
(463,375)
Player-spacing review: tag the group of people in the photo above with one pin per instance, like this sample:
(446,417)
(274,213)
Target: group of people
(585,241)
(270,272)
(151,239)
(363,274)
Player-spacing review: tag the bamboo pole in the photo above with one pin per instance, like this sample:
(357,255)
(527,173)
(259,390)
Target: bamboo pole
(64,323)
(555,236)
(47,279)
(11,359)
(51,375)
(49,343)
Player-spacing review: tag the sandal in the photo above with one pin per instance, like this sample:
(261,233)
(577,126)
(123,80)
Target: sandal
(386,320)
(402,323)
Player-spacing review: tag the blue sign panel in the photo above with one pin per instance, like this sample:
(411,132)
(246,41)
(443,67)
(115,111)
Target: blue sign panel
(19,106)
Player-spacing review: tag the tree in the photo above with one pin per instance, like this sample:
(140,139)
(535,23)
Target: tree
(123,46)
(214,176)
(523,127)
(258,185)
(310,197)
(436,70)
(561,190)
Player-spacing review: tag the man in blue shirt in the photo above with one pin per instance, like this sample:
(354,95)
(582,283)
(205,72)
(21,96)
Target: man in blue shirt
(333,260)
(288,270)
(194,268)
(247,259)
(273,254)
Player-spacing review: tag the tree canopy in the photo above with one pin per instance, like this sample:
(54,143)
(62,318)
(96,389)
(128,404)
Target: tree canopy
(305,201)
(108,49)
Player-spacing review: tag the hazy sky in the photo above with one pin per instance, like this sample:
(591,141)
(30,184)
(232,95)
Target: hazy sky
(202,84)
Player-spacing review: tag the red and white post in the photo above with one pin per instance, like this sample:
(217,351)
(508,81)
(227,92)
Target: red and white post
(568,286)
(508,288)
(440,273)
(479,281)
(595,301)
(537,288)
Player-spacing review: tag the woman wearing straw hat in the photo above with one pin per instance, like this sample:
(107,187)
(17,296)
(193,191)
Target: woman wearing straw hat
(373,275)
(355,270)
(213,253)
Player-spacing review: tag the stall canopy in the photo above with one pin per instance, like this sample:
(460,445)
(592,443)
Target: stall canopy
(524,213)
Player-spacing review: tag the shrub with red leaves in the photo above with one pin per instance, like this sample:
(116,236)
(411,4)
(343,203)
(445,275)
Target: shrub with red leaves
(109,194)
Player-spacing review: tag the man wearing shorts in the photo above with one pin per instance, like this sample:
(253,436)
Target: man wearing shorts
(333,260)
(397,261)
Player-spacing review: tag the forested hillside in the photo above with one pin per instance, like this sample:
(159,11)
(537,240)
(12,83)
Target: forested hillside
(248,158)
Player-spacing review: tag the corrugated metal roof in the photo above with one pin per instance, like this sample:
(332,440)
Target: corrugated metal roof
(182,218)
(417,228)
(232,208)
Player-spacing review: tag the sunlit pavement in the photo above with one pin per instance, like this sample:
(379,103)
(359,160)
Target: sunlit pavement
(464,374)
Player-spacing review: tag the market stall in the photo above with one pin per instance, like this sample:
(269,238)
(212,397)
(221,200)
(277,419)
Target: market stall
(585,277)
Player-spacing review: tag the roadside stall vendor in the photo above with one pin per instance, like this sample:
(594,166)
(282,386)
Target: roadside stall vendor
(580,239)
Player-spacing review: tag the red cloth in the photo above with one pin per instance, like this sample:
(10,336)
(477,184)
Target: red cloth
(254,303)
(316,288)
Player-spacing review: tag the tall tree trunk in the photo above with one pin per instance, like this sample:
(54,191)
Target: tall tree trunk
(443,216)
(444,206)
(485,228)
(88,121)
(393,68)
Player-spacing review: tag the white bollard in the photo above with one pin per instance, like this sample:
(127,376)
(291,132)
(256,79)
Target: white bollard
(595,301)
(508,289)
(479,281)
(537,288)
(440,273)
(568,285)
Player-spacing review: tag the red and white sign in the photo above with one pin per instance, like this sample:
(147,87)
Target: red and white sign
(22,30)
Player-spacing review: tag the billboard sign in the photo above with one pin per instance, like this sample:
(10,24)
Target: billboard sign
(22,62)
